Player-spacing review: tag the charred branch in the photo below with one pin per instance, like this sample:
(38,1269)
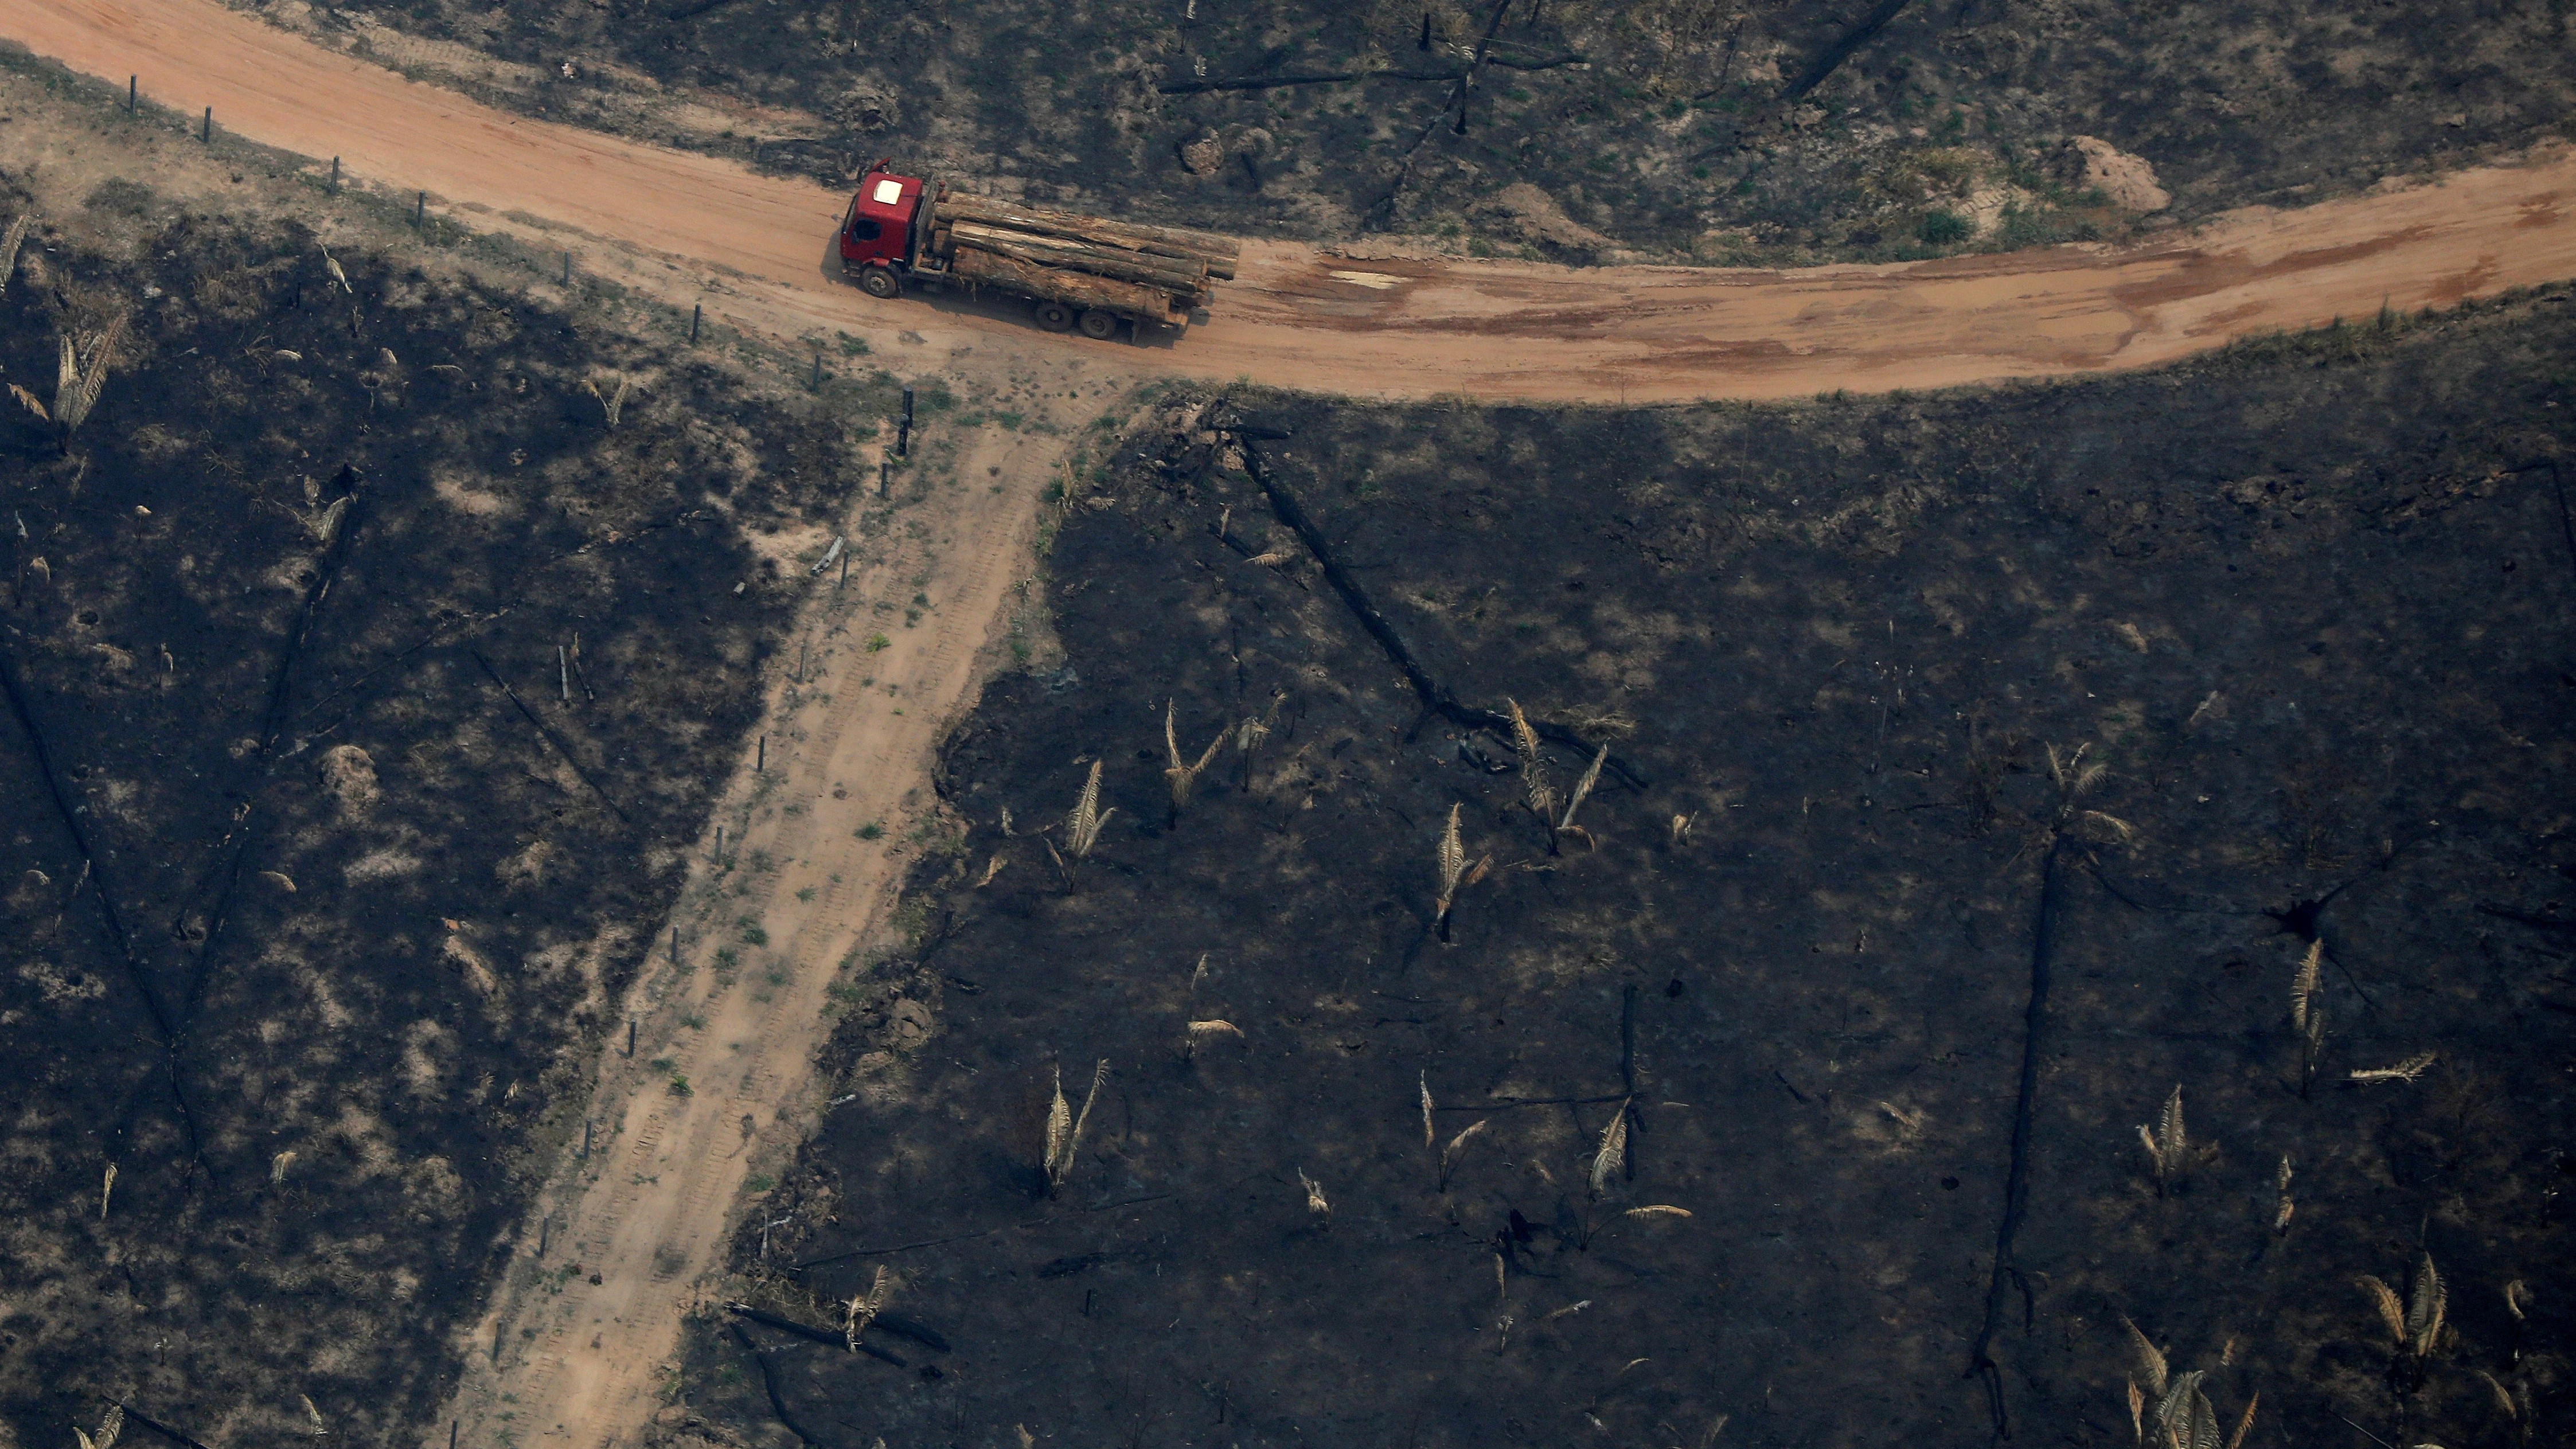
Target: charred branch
(769,1381)
(1338,77)
(1436,697)
(1981,1361)
(1841,50)
(557,741)
(812,1334)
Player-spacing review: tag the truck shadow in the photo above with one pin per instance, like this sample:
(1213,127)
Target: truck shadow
(992,306)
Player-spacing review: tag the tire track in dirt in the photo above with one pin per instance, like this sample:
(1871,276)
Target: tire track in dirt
(688,227)
(559,1360)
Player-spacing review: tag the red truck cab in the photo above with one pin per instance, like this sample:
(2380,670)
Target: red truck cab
(880,240)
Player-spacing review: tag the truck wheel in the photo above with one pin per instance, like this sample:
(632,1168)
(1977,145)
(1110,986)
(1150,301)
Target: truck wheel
(1055,316)
(1099,326)
(880,282)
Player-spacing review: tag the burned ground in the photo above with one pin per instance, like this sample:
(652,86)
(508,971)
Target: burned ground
(1771,131)
(2306,601)
(325,870)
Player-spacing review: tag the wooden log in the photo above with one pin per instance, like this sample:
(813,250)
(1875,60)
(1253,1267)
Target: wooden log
(1184,271)
(1055,284)
(1161,240)
(1220,253)
(1100,261)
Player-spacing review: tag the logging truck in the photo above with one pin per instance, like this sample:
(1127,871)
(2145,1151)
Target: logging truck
(1082,272)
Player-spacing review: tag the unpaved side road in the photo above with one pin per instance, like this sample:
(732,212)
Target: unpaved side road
(686,226)
(568,1354)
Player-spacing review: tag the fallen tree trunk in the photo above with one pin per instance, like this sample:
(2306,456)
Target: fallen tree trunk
(1055,284)
(1276,82)
(1185,271)
(1219,253)
(1125,266)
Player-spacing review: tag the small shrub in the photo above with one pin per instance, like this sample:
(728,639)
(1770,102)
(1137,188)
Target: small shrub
(879,641)
(870,831)
(1942,228)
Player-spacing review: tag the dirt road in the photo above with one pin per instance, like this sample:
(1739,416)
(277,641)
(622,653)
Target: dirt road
(569,1353)
(687,225)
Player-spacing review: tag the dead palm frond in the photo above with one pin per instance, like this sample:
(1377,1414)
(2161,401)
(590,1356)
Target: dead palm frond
(28,401)
(82,375)
(1082,827)
(1315,1202)
(2424,1308)
(863,1309)
(2151,1360)
(2283,1206)
(1183,775)
(279,1166)
(2074,780)
(1064,1129)
(2184,1416)
(313,1416)
(9,243)
(106,1190)
(1450,1155)
(1657,1210)
(1681,828)
(1613,1152)
(2168,1146)
(2307,1014)
(1454,873)
(2071,775)
(332,265)
(108,1428)
(2405,1071)
(1582,790)
(2245,1422)
(1535,789)
(611,404)
(2515,1293)
(2392,1311)
(325,525)
(1207,1033)
(1430,1139)
(2503,1396)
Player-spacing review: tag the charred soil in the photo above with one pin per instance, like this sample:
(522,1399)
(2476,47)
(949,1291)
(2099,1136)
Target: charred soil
(373,648)
(1851,954)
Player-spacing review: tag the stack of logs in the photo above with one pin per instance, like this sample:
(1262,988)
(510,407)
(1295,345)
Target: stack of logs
(1152,272)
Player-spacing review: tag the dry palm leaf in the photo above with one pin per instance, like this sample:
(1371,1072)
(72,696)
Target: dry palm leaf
(1613,1153)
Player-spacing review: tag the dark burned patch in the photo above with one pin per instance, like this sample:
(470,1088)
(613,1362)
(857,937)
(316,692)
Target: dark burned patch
(322,866)
(1853,650)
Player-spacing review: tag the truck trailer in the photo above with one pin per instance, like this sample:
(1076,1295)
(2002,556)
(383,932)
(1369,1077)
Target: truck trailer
(1084,272)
